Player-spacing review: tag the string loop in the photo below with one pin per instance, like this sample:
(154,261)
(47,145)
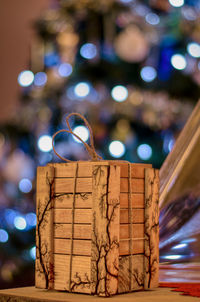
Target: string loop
(90,148)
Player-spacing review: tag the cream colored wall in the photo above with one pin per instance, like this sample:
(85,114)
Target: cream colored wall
(16,18)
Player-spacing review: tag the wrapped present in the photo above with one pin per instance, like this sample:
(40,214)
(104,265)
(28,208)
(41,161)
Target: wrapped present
(97,226)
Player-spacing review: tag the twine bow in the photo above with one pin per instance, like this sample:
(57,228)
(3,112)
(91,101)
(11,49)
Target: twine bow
(90,148)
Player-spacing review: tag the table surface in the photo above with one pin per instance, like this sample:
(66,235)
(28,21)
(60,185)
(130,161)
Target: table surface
(32,294)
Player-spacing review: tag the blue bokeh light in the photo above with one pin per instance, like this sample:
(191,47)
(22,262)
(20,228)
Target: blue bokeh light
(65,69)
(25,185)
(25,78)
(31,219)
(40,79)
(33,252)
(88,51)
(51,59)
(148,73)
(3,236)
(144,151)
(10,215)
(152,18)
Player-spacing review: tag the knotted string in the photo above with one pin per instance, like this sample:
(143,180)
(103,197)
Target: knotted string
(90,148)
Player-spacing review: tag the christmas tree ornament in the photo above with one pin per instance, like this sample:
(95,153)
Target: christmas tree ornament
(131,44)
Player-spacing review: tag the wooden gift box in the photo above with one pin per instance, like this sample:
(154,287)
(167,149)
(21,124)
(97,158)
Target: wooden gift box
(97,227)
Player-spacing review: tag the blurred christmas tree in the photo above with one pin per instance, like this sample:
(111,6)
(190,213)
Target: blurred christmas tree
(130,67)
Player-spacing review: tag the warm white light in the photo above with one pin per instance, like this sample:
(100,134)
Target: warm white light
(25,185)
(88,51)
(117,149)
(194,50)
(176,3)
(179,246)
(178,61)
(25,78)
(152,18)
(20,223)
(45,143)
(3,236)
(65,69)
(172,257)
(148,73)
(40,79)
(82,89)
(144,151)
(119,93)
(82,132)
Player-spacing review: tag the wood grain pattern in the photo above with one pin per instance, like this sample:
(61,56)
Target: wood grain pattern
(105,235)
(44,229)
(137,273)
(81,231)
(65,185)
(80,247)
(151,229)
(137,185)
(85,169)
(31,294)
(137,216)
(99,248)
(137,200)
(64,201)
(125,248)
(81,267)
(65,215)
(137,231)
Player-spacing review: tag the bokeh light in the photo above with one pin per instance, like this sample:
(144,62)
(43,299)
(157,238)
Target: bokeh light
(178,61)
(45,143)
(176,3)
(194,50)
(3,236)
(25,185)
(20,223)
(25,78)
(119,93)
(152,18)
(82,132)
(33,252)
(88,51)
(31,219)
(40,79)
(148,73)
(172,257)
(117,149)
(65,69)
(82,89)
(179,246)
(144,151)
